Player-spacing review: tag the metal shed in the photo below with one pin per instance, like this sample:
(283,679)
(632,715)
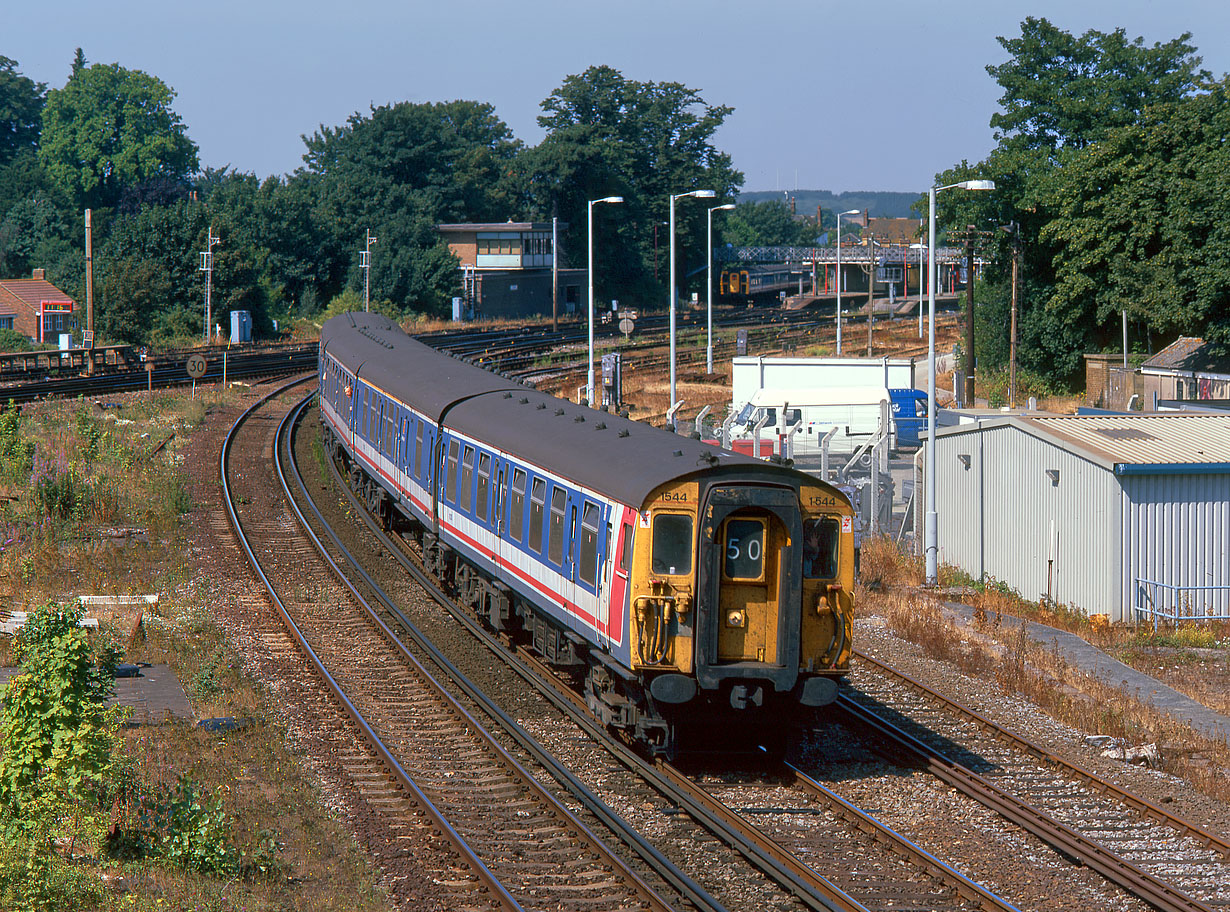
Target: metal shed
(1124,516)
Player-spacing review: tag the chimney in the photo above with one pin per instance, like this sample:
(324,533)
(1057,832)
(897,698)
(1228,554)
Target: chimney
(39,274)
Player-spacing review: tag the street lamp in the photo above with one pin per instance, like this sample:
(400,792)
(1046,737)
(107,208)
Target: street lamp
(920,248)
(699,194)
(709,289)
(589,377)
(839,215)
(931,537)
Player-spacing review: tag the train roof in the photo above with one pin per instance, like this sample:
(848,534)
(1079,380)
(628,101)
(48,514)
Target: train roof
(623,459)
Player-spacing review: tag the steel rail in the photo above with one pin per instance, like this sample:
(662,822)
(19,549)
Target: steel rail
(1144,808)
(911,851)
(1064,839)
(484,874)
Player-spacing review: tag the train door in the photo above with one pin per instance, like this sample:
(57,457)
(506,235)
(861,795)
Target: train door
(748,613)
(615,600)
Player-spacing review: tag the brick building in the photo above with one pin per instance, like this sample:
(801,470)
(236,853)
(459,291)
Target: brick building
(506,268)
(36,308)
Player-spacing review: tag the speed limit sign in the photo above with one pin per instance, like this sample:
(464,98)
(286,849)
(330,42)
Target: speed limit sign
(196,366)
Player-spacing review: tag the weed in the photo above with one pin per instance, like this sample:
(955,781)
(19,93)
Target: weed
(190,828)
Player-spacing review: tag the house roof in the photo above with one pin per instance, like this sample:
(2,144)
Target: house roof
(32,292)
(1155,444)
(1188,353)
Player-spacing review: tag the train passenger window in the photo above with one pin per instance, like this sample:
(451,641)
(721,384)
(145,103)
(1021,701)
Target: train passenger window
(672,544)
(418,449)
(467,478)
(450,476)
(555,538)
(538,499)
(484,478)
(743,558)
(589,544)
(516,511)
(821,542)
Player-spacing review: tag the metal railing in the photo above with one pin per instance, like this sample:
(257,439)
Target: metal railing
(1180,604)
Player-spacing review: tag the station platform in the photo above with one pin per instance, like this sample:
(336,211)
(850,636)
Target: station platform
(154,694)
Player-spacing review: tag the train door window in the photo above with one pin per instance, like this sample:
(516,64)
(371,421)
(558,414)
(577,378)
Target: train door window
(555,537)
(516,506)
(744,555)
(625,548)
(467,479)
(672,544)
(390,424)
(418,448)
(450,475)
(588,551)
(820,545)
(538,500)
(484,480)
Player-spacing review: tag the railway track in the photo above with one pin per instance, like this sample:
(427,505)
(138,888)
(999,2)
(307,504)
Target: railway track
(1148,850)
(915,880)
(433,767)
(915,877)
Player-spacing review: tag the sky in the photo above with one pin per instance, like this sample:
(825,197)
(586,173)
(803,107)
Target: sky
(827,95)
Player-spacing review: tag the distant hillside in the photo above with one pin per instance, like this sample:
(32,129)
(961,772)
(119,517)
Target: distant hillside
(879,203)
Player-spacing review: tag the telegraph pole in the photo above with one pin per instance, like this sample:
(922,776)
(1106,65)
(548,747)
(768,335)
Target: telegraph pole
(207,267)
(365,263)
(88,340)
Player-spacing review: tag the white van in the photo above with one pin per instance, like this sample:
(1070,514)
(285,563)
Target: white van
(855,412)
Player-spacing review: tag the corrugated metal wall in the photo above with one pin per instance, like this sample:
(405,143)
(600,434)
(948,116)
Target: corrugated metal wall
(1003,517)
(1177,530)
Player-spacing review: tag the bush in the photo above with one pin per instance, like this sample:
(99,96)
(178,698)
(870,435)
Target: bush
(191,829)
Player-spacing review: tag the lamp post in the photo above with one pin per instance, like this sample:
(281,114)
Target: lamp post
(589,377)
(839,215)
(920,248)
(931,536)
(699,194)
(709,289)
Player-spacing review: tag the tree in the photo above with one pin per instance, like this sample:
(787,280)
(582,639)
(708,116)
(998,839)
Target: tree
(110,128)
(21,109)
(609,135)
(767,223)
(1071,169)
(399,171)
(1061,91)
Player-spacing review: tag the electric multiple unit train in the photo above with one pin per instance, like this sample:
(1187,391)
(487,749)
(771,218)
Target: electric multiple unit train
(683,586)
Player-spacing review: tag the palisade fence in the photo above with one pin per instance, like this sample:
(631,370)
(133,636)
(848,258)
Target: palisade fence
(1165,602)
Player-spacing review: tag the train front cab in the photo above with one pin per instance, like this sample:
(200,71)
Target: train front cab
(742,598)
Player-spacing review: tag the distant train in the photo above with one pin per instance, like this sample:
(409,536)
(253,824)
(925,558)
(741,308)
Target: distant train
(687,587)
(752,281)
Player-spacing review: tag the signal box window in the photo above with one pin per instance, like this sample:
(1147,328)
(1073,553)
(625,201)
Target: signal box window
(820,544)
(450,476)
(744,555)
(516,513)
(555,540)
(538,500)
(672,544)
(589,544)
